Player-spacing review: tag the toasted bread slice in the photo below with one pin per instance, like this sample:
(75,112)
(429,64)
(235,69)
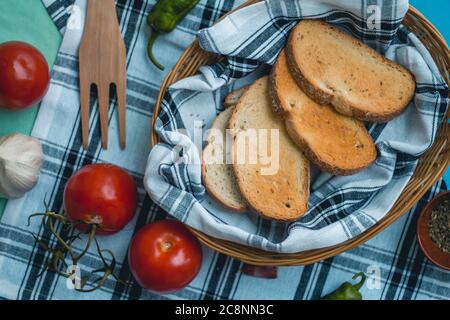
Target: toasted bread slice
(333,142)
(232,98)
(218,177)
(334,68)
(280,194)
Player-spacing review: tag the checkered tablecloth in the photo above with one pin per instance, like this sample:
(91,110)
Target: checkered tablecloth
(397,268)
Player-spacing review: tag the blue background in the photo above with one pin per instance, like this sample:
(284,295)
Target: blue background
(437,11)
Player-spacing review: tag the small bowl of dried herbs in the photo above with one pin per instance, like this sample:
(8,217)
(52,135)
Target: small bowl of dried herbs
(433,230)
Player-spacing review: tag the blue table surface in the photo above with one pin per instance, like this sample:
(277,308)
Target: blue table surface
(437,12)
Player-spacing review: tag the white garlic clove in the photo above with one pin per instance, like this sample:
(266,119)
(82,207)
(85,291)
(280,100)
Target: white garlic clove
(21,159)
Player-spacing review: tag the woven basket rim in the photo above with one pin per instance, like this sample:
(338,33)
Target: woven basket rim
(260,257)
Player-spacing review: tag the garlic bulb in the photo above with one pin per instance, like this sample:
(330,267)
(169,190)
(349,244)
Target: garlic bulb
(21,159)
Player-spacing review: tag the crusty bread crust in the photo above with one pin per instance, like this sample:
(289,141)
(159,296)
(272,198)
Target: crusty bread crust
(284,111)
(216,196)
(322,165)
(212,191)
(232,98)
(343,106)
(252,199)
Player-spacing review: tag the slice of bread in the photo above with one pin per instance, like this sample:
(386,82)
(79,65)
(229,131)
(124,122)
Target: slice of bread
(218,177)
(333,142)
(232,98)
(280,194)
(334,68)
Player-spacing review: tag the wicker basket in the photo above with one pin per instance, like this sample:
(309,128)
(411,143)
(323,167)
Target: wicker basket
(431,167)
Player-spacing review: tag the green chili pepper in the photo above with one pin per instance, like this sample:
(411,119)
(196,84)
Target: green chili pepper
(163,18)
(347,290)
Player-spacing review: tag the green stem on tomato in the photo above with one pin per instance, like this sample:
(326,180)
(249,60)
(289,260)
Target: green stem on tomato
(150,54)
(57,262)
(88,244)
(53,230)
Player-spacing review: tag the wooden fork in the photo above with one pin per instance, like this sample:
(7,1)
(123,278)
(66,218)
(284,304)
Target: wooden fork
(102,59)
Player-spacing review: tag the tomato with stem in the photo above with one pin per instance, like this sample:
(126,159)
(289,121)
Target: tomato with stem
(103,195)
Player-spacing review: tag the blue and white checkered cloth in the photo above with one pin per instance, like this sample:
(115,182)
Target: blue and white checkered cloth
(397,267)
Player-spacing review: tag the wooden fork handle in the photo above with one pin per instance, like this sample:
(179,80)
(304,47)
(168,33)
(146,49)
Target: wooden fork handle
(103,62)
(101,7)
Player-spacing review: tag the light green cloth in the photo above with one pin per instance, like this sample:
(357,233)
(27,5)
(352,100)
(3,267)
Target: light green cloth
(26,20)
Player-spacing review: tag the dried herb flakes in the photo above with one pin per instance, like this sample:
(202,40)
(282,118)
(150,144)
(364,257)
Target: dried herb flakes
(439,226)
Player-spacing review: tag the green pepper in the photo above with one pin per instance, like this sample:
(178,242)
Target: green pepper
(347,290)
(163,18)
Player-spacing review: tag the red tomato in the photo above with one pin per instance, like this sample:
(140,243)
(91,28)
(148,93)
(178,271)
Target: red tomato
(164,256)
(24,75)
(101,193)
